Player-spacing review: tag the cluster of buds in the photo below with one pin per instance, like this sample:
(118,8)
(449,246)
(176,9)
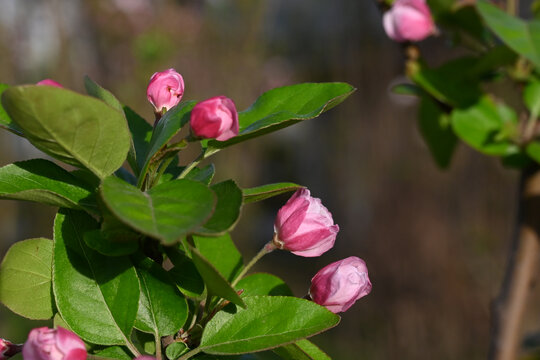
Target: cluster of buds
(214,118)
(305,227)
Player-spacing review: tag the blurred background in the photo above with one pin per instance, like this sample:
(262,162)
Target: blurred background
(435,241)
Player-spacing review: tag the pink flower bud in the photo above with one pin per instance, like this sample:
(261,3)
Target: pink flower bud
(165,90)
(215,118)
(408,20)
(49,82)
(8,349)
(304,226)
(4,347)
(53,344)
(337,286)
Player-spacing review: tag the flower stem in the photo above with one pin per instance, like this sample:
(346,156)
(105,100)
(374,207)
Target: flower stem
(268,248)
(158,347)
(190,354)
(191,166)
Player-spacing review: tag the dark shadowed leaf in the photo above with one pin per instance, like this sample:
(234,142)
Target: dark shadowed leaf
(227,211)
(436,129)
(163,309)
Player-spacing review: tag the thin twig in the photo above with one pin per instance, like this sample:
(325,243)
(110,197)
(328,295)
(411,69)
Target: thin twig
(521,272)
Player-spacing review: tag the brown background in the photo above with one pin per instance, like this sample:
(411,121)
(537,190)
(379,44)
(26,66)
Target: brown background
(434,241)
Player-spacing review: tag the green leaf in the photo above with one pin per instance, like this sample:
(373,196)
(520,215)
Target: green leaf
(102,94)
(267,191)
(453,83)
(221,253)
(266,322)
(521,36)
(174,350)
(168,126)
(163,310)
(215,282)
(301,350)
(97,297)
(97,240)
(436,129)
(25,279)
(227,211)
(79,130)
(481,125)
(184,273)
(166,212)
(283,107)
(141,133)
(465,24)
(531,97)
(5,121)
(263,284)
(204,175)
(533,150)
(43,181)
(111,352)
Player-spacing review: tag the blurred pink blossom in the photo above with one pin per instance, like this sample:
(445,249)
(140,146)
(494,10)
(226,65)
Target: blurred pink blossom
(49,82)
(408,20)
(53,344)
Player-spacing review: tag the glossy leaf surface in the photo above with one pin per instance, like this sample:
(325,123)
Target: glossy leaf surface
(215,282)
(221,253)
(79,130)
(166,212)
(285,106)
(96,296)
(263,284)
(301,350)
(266,322)
(43,181)
(263,192)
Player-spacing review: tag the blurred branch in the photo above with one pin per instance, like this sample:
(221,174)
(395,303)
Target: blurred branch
(521,272)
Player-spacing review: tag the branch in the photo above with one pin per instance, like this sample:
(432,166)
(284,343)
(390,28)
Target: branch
(521,272)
